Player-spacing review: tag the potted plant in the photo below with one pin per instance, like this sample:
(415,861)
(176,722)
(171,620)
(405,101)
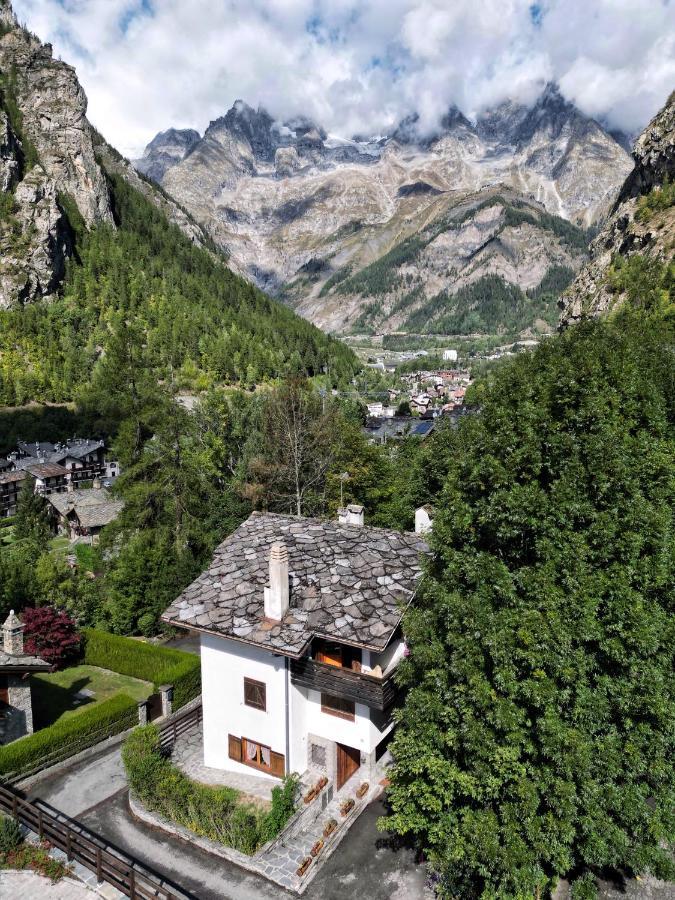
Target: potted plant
(304,865)
(321,783)
(316,849)
(329,827)
(310,795)
(362,790)
(346,806)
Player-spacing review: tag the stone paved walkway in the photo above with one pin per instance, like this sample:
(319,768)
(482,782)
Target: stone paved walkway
(30,886)
(280,860)
(188,755)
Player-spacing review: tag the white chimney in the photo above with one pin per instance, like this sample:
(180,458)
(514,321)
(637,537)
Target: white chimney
(277,594)
(351,515)
(424,519)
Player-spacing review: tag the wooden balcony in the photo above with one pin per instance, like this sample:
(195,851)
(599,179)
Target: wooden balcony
(376,693)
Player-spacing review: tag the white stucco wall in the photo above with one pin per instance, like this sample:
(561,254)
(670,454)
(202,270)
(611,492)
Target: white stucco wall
(225,664)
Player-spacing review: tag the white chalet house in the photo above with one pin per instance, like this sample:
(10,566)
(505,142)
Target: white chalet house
(300,635)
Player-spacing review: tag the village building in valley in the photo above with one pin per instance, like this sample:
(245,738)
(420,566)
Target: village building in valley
(300,624)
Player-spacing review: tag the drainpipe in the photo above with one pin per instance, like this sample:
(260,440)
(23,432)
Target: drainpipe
(288,729)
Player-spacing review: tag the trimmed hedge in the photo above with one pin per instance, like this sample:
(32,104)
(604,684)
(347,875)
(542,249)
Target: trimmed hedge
(160,665)
(217,813)
(68,736)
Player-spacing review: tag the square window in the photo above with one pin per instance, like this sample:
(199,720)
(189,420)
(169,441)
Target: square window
(336,706)
(255,694)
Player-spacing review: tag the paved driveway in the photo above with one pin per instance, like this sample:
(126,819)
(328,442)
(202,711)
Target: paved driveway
(363,865)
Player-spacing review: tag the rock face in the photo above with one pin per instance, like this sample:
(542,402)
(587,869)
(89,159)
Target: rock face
(624,234)
(167,149)
(282,198)
(46,152)
(50,158)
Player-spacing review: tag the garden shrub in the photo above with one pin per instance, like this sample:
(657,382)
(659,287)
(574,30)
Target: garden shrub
(10,835)
(50,634)
(70,735)
(160,665)
(216,813)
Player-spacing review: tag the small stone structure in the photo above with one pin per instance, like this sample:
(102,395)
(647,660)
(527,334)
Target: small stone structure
(16,710)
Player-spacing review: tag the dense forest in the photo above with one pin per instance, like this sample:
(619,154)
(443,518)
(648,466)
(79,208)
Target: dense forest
(201,323)
(536,741)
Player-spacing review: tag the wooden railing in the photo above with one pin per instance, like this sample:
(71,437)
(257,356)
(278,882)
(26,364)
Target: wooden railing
(179,724)
(376,693)
(109,863)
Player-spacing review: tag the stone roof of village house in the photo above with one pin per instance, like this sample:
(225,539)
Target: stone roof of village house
(94,507)
(8,477)
(347,583)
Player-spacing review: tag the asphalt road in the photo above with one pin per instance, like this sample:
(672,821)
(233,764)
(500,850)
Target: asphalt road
(363,866)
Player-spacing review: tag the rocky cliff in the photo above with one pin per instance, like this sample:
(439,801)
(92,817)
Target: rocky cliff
(642,221)
(296,209)
(50,167)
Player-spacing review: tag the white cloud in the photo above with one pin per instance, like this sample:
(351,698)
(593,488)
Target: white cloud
(354,65)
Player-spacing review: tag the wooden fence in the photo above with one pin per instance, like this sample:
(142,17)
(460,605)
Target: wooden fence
(179,724)
(109,863)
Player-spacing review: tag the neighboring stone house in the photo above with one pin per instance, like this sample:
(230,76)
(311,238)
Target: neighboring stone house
(16,709)
(49,478)
(83,459)
(82,514)
(10,487)
(300,627)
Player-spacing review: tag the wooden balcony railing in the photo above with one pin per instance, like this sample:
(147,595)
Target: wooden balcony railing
(376,693)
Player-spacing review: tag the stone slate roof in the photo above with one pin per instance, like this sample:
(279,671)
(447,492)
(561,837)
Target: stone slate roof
(94,508)
(8,477)
(347,583)
(23,663)
(41,469)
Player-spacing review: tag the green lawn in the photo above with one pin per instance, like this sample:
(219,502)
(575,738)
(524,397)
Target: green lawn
(6,536)
(54,693)
(59,545)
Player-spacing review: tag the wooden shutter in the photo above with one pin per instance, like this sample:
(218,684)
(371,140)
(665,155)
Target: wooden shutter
(4,689)
(277,764)
(234,747)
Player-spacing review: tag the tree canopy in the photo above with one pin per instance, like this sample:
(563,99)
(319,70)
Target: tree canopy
(537,738)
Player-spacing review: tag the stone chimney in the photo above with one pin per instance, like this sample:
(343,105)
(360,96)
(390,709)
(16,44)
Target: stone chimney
(96,483)
(70,485)
(351,515)
(277,594)
(424,519)
(12,635)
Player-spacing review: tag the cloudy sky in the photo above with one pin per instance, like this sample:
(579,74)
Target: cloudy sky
(356,66)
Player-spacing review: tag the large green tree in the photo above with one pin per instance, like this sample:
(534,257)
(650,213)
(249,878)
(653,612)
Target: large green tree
(538,734)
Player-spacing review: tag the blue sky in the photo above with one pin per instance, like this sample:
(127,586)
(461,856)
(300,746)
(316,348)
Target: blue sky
(355,66)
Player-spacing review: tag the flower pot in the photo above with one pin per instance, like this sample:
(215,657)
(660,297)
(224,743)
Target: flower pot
(362,790)
(304,865)
(347,807)
(329,827)
(310,795)
(316,849)
(321,783)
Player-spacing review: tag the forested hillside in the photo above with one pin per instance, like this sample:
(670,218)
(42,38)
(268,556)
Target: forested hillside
(202,324)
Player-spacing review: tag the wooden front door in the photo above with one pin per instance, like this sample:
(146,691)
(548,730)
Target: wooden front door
(348,761)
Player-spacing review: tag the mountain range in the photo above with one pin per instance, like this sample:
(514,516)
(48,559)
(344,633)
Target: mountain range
(369,233)
(94,256)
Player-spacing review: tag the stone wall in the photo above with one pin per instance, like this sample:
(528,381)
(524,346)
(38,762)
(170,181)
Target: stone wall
(18,716)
